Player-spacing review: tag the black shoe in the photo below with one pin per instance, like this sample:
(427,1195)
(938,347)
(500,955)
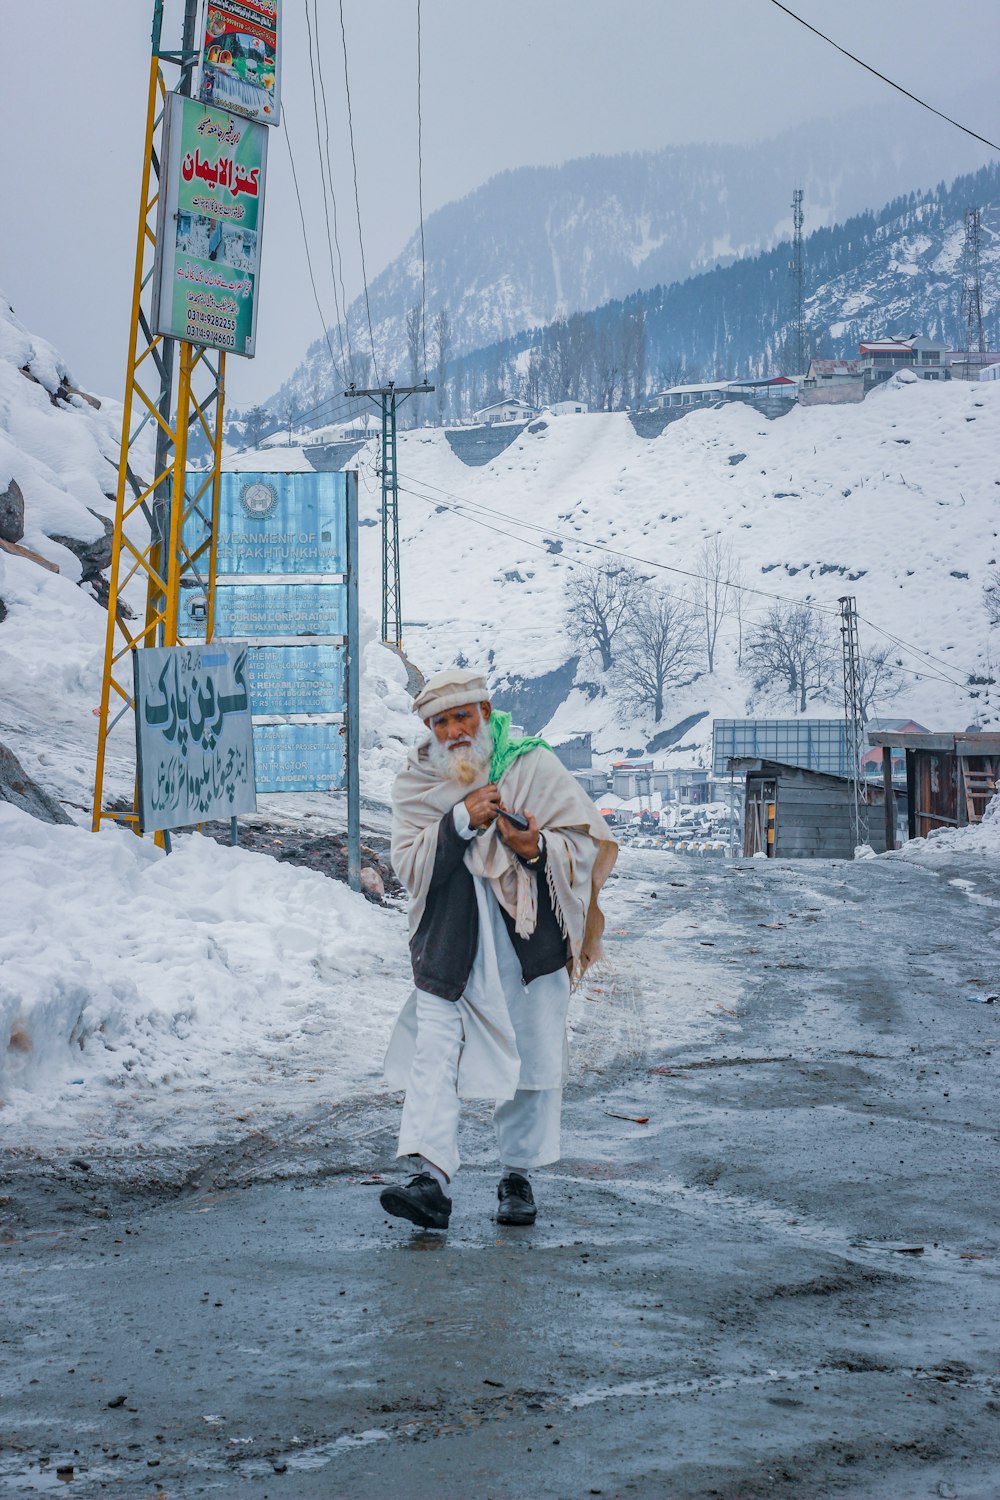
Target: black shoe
(420,1200)
(517,1203)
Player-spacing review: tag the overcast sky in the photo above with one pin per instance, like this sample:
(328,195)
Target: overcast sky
(504,85)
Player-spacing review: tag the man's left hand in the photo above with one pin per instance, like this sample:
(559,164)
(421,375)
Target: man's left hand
(523,841)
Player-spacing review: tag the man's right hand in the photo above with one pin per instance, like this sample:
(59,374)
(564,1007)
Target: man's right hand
(483,806)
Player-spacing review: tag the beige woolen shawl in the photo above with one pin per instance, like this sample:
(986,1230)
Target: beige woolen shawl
(580,851)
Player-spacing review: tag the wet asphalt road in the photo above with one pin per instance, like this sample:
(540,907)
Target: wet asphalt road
(784,1284)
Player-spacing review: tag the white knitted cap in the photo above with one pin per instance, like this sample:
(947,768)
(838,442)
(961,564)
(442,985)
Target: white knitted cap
(449,689)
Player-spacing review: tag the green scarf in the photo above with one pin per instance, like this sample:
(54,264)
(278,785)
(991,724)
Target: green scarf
(506,750)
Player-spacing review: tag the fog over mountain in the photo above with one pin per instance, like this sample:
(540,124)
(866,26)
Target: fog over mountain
(538,243)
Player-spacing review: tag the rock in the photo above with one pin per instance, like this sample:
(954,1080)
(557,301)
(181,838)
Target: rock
(3,611)
(94,556)
(12,513)
(372,882)
(17,787)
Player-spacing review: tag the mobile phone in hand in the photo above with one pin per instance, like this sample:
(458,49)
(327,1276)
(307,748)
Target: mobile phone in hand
(514,819)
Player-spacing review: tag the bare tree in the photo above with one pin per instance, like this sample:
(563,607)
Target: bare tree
(715,592)
(598,602)
(442,352)
(880,678)
(657,648)
(255,426)
(991,597)
(413,335)
(737,581)
(790,646)
(290,416)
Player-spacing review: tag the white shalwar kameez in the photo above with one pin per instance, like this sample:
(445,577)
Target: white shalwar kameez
(503,1040)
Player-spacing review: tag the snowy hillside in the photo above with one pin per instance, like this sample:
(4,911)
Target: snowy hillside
(896,270)
(58,468)
(896,501)
(538,243)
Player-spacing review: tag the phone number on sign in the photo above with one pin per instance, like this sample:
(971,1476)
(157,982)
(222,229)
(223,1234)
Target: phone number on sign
(205,329)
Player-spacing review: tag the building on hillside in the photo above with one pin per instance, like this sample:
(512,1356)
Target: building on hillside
(971,365)
(575,751)
(706,394)
(881,358)
(790,812)
(871,759)
(817,744)
(567,408)
(594,783)
(831,381)
(510,410)
(632,779)
(690,785)
(950,777)
(774,388)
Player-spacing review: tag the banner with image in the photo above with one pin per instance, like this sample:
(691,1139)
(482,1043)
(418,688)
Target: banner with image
(240,58)
(209,227)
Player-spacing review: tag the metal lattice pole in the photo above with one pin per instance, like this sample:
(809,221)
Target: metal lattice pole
(797,269)
(853,712)
(972,290)
(388,398)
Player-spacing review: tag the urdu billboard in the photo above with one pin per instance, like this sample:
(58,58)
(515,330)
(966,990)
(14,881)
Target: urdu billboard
(194,734)
(209,227)
(241,57)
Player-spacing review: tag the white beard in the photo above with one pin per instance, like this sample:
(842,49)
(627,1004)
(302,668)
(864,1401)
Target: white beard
(463,762)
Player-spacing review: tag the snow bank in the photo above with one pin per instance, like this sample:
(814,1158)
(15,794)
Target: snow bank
(978,840)
(123,969)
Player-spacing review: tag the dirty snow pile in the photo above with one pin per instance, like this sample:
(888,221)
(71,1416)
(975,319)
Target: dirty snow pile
(146,983)
(977,841)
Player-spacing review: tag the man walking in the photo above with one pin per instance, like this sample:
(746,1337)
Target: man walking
(503,855)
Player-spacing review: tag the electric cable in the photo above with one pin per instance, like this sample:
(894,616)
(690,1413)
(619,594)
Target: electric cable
(357,198)
(305,240)
(420,198)
(323,181)
(576,562)
(892,84)
(329,168)
(744,589)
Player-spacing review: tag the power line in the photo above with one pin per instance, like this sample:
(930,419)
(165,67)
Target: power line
(420,195)
(357,198)
(329,168)
(323,175)
(893,85)
(465,505)
(463,514)
(305,239)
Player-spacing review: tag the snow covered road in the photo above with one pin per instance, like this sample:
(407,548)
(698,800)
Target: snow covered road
(785,1283)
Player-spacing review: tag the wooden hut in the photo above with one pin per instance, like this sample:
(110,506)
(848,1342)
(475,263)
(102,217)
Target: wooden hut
(791,812)
(950,777)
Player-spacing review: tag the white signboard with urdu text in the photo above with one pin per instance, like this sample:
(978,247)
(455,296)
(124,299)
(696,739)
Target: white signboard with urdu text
(194,734)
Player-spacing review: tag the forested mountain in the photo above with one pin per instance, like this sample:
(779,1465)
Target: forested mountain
(541,243)
(897,270)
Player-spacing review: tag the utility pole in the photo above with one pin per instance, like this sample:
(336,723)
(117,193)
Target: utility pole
(852,706)
(972,291)
(388,398)
(798,282)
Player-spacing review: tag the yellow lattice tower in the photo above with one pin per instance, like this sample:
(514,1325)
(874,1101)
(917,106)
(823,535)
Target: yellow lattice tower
(149,544)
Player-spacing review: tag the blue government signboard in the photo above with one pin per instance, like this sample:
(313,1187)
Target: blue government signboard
(277,524)
(296,679)
(251,611)
(283,574)
(298,757)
